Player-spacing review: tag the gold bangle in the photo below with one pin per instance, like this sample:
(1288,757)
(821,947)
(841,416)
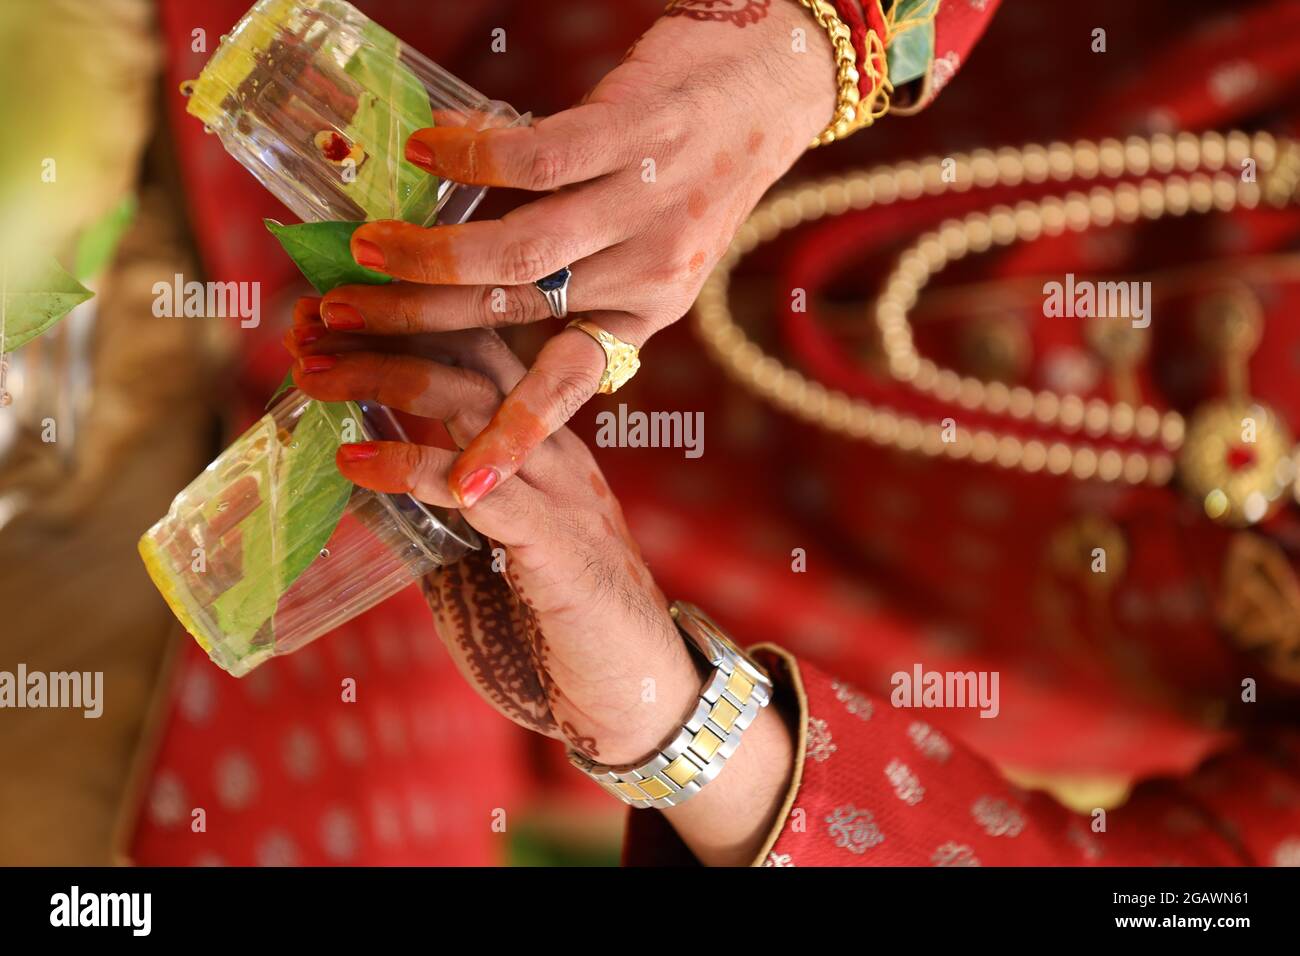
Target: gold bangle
(852,113)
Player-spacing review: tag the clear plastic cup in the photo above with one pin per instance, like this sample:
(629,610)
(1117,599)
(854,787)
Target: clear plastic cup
(270,547)
(317,101)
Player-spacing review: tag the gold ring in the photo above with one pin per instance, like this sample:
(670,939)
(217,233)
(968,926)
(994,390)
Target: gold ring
(621,359)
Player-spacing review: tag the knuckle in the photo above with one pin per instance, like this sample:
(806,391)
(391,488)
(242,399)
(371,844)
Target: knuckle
(479,394)
(488,307)
(408,314)
(569,388)
(545,167)
(525,259)
(677,260)
(412,459)
(667,308)
(515,308)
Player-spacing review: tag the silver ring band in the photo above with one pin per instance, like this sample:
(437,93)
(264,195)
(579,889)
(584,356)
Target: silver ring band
(555,289)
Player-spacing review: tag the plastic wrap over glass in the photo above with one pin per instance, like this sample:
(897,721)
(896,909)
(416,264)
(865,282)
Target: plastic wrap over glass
(270,547)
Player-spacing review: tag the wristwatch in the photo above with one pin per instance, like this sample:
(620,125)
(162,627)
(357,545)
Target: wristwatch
(736,691)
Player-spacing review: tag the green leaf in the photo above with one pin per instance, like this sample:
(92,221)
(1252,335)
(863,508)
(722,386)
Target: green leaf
(302,497)
(313,487)
(391,105)
(245,608)
(322,253)
(310,494)
(36,302)
(97,244)
(285,384)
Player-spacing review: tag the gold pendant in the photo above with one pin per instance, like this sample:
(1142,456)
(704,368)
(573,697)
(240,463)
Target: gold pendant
(1237,461)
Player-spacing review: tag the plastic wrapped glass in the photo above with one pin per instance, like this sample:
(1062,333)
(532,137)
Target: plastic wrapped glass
(317,101)
(270,547)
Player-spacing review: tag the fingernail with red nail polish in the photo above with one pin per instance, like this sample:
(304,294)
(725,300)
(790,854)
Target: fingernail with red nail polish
(317,363)
(367,253)
(362,451)
(476,484)
(419,154)
(341,316)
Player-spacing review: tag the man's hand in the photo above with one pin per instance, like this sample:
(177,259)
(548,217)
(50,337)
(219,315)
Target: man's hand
(557,622)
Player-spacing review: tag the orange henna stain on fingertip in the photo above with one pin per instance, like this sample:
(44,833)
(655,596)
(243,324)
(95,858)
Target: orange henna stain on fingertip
(514,431)
(598,485)
(696,262)
(411,249)
(382,472)
(722,165)
(755,141)
(459,153)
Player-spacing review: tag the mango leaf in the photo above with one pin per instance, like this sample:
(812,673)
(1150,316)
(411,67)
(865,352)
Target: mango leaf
(244,608)
(97,244)
(322,254)
(313,487)
(302,497)
(391,104)
(310,482)
(285,384)
(36,302)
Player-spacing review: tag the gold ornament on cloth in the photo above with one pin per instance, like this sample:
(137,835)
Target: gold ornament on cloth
(1259,606)
(1237,461)
(1123,347)
(1230,321)
(1073,550)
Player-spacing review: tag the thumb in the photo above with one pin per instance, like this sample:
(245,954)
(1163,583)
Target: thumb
(566,374)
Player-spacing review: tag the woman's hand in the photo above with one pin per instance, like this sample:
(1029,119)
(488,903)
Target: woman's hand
(557,622)
(647,181)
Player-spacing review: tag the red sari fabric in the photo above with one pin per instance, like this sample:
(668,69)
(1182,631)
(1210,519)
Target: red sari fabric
(884,786)
(907,560)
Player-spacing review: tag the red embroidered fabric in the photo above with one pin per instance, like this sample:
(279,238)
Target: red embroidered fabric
(883,786)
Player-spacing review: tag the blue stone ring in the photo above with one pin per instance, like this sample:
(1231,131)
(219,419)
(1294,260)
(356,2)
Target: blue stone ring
(555,289)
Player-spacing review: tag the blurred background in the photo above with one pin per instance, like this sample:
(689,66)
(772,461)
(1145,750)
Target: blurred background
(962,564)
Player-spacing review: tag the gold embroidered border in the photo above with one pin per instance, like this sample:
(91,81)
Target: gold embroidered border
(801,746)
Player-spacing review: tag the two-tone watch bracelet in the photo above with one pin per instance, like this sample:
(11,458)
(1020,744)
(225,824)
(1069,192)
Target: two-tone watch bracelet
(737,690)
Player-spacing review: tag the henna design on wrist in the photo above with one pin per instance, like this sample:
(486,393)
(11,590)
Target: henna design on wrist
(497,634)
(738,12)
(492,623)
